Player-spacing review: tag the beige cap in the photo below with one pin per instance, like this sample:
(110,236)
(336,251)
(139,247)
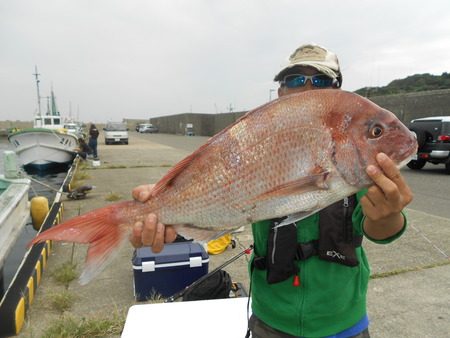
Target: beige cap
(315,56)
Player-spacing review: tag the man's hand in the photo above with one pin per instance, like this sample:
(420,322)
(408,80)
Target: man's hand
(384,201)
(150,232)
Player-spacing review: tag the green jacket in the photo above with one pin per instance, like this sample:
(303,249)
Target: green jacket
(331,297)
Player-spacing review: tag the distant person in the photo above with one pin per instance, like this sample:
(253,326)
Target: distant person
(93,135)
(83,149)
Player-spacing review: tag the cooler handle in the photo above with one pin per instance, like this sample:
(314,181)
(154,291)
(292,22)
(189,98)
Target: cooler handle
(195,261)
(148,266)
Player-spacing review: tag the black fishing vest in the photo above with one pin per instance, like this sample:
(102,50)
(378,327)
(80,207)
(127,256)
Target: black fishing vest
(337,242)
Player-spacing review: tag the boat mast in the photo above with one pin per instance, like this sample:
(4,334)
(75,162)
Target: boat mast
(36,74)
(55,111)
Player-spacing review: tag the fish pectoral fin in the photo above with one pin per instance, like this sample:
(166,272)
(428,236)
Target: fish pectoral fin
(298,216)
(310,183)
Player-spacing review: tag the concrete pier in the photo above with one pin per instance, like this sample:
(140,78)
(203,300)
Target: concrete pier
(410,297)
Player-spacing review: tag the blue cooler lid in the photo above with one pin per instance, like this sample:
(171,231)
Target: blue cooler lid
(173,254)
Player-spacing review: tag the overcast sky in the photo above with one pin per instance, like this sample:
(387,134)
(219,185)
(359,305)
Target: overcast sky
(111,59)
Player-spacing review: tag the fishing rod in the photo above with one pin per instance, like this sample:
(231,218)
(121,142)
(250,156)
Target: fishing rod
(41,183)
(204,277)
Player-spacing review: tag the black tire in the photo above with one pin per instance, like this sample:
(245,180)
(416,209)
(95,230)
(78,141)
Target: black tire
(421,138)
(416,164)
(447,168)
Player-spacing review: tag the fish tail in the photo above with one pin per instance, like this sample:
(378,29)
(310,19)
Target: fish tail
(103,229)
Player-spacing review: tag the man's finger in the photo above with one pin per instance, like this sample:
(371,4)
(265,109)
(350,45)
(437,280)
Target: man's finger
(378,177)
(158,242)
(149,229)
(143,192)
(135,235)
(368,207)
(390,169)
(375,195)
(170,234)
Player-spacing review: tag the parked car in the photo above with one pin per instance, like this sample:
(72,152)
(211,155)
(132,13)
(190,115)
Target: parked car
(116,132)
(148,128)
(74,128)
(433,138)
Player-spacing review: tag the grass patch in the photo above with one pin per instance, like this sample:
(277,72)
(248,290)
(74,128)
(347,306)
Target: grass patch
(65,273)
(74,184)
(82,165)
(415,268)
(112,197)
(116,166)
(81,175)
(62,301)
(85,327)
(155,297)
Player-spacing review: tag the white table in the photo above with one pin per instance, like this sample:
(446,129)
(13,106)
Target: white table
(218,318)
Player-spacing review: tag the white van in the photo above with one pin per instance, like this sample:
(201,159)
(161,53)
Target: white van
(116,132)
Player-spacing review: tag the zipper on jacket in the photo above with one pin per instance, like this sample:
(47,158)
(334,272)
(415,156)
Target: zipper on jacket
(274,244)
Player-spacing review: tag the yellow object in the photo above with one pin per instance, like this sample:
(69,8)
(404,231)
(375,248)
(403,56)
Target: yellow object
(39,210)
(20,315)
(219,245)
(30,286)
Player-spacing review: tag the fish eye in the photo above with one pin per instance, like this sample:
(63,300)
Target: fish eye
(376,131)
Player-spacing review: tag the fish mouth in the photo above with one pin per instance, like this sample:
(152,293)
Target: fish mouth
(404,162)
(407,154)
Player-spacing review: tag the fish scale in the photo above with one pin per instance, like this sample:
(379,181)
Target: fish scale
(275,151)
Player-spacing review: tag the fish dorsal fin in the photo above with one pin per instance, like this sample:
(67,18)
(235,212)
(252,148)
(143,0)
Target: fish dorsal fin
(166,180)
(304,184)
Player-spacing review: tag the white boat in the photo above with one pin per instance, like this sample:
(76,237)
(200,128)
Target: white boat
(47,143)
(14,211)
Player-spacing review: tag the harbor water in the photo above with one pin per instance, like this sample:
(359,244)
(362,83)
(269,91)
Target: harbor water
(54,180)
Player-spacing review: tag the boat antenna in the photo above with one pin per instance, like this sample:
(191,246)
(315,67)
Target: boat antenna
(36,74)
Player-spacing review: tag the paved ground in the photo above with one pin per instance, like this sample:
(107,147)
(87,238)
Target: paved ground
(409,298)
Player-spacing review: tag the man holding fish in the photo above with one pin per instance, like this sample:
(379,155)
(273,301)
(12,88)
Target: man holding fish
(317,288)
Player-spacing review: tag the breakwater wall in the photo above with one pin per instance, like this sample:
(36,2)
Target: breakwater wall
(416,105)
(405,106)
(203,124)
